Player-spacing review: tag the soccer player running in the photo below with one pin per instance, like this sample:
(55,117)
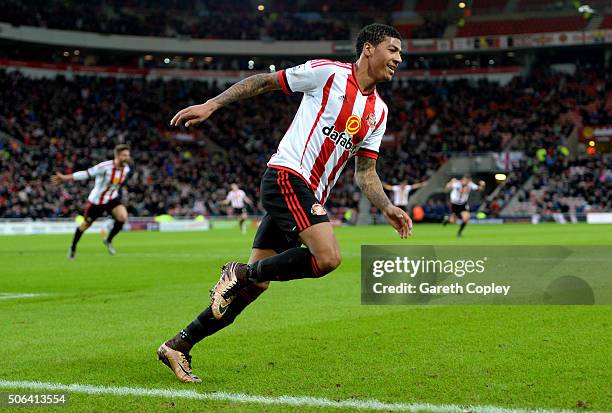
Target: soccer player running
(104,197)
(237,198)
(341,115)
(459,196)
(402,191)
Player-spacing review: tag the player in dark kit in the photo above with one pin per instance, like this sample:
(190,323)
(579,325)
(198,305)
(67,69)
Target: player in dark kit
(341,116)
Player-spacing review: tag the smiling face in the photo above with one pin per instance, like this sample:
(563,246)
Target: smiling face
(384,58)
(123,157)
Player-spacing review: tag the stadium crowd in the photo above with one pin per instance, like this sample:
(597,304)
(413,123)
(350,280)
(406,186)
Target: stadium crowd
(67,125)
(208,19)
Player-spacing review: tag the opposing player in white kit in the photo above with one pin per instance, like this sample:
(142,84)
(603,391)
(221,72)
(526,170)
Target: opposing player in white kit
(341,116)
(460,190)
(237,199)
(104,197)
(402,191)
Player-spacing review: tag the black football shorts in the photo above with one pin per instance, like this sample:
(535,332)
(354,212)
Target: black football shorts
(457,209)
(290,206)
(93,211)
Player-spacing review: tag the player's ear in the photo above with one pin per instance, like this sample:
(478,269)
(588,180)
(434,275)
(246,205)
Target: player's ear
(368,49)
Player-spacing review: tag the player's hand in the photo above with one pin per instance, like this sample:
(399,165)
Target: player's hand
(481,183)
(58,178)
(194,114)
(399,219)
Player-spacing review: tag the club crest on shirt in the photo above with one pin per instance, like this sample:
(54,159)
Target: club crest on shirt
(353,124)
(371,120)
(317,209)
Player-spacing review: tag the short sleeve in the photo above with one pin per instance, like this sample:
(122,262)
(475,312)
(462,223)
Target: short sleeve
(371,145)
(306,77)
(95,170)
(473,186)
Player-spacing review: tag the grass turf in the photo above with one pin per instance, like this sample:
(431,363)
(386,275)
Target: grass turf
(104,317)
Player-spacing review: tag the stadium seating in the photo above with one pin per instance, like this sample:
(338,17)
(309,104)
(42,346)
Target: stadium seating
(568,187)
(140,18)
(430,120)
(488,6)
(533,25)
(607,22)
(536,5)
(428,6)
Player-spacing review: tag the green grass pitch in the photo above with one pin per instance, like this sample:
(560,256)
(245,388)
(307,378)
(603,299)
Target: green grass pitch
(103,318)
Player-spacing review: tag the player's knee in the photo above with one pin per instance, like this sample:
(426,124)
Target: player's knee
(121,219)
(262,286)
(328,262)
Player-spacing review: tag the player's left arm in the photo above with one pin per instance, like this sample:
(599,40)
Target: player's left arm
(368,180)
(419,185)
(246,88)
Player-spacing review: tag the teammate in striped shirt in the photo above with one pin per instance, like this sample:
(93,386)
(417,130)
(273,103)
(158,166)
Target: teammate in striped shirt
(237,199)
(341,116)
(104,197)
(460,190)
(402,191)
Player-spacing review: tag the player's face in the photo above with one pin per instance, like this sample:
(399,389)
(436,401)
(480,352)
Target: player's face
(385,59)
(123,157)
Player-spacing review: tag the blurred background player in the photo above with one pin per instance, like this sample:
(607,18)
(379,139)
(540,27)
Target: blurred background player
(402,191)
(104,197)
(460,190)
(237,198)
(341,115)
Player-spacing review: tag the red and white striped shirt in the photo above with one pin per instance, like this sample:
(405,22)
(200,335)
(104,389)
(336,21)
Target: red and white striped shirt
(335,121)
(108,180)
(236,198)
(400,194)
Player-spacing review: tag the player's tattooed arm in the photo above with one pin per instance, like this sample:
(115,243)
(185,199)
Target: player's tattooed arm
(249,87)
(246,88)
(369,182)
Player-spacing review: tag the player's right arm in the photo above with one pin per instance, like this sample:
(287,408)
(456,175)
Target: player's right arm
(246,88)
(306,78)
(59,178)
(387,187)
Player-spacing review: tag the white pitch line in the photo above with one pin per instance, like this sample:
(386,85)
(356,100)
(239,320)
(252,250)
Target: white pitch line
(299,401)
(15,296)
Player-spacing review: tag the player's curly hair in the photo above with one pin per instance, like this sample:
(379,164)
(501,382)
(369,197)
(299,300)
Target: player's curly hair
(374,34)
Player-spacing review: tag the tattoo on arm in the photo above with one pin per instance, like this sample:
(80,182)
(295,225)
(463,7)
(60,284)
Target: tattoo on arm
(249,87)
(369,182)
